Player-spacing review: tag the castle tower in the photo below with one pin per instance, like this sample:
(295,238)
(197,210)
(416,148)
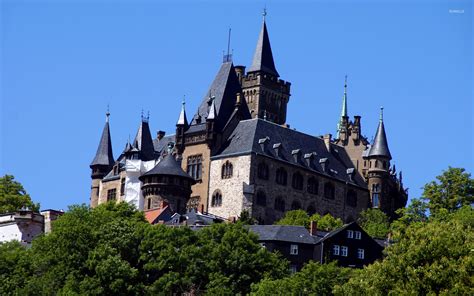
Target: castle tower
(378,173)
(143,144)
(343,124)
(102,162)
(166,184)
(181,127)
(263,91)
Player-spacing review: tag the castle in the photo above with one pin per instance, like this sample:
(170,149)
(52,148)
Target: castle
(238,153)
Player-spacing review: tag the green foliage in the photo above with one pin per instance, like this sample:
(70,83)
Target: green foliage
(313,279)
(13,196)
(430,258)
(414,213)
(301,218)
(112,250)
(246,219)
(374,222)
(452,190)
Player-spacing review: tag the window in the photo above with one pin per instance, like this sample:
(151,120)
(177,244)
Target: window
(358,235)
(111,193)
(351,198)
(262,171)
(193,203)
(344,251)
(350,234)
(375,195)
(122,186)
(227,169)
(194,167)
(360,253)
(295,205)
(148,204)
(263,245)
(281,176)
(294,250)
(297,181)
(329,191)
(279,204)
(335,250)
(313,186)
(261,198)
(216,200)
(293,268)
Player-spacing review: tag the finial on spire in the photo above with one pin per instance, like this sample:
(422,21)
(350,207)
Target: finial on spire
(381,113)
(183,102)
(148,115)
(228,57)
(264,13)
(142,115)
(345,84)
(107,114)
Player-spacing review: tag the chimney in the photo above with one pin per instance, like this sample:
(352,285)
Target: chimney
(350,174)
(263,143)
(356,130)
(160,134)
(277,149)
(313,228)
(327,141)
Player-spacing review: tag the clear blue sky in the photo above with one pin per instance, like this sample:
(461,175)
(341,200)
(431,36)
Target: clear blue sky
(62,62)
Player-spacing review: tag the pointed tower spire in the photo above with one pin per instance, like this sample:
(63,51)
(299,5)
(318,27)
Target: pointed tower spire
(380,144)
(343,110)
(104,155)
(183,120)
(263,57)
(143,141)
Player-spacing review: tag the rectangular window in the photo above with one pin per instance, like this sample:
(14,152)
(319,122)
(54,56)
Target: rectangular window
(194,166)
(360,253)
(293,269)
(344,251)
(122,186)
(335,250)
(294,250)
(111,194)
(358,235)
(350,234)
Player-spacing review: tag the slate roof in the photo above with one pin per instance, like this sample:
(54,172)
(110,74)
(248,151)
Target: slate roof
(246,136)
(285,233)
(263,57)
(162,145)
(168,166)
(380,145)
(104,155)
(143,142)
(224,89)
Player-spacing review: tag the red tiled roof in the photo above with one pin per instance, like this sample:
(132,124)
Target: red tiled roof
(152,215)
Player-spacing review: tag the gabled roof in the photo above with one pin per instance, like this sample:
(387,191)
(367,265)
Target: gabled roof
(156,215)
(246,136)
(224,89)
(104,155)
(285,233)
(168,166)
(380,145)
(263,56)
(143,142)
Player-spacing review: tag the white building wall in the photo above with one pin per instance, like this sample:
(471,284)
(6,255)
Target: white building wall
(134,169)
(10,232)
(234,201)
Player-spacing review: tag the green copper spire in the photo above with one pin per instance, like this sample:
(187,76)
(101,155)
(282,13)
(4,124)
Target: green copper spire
(344,107)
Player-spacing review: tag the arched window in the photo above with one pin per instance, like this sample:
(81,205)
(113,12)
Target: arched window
(281,176)
(351,198)
(280,204)
(313,185)
(375,195)
(216,200)
(329,191)
(295,205)
(262,171)
(311,210)
(261,198)
(227,170)
(297,181)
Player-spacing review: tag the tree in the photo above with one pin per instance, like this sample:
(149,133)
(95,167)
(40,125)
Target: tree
(301,218)
(246,219)
(313,279)
(374,222)
(430,258)
(13,196)
(453,189)
(416,212)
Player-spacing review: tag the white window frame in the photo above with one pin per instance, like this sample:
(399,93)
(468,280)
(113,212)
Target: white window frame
(263,245)
(360,253)
(358,235)
(344,251)
(350,234)
(336,250)
(294,250)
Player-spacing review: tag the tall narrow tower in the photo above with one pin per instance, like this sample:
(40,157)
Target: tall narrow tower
(102,162)
(262,88)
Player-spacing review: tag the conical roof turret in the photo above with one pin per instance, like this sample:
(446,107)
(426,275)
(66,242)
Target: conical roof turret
(380,145)
(104,155)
